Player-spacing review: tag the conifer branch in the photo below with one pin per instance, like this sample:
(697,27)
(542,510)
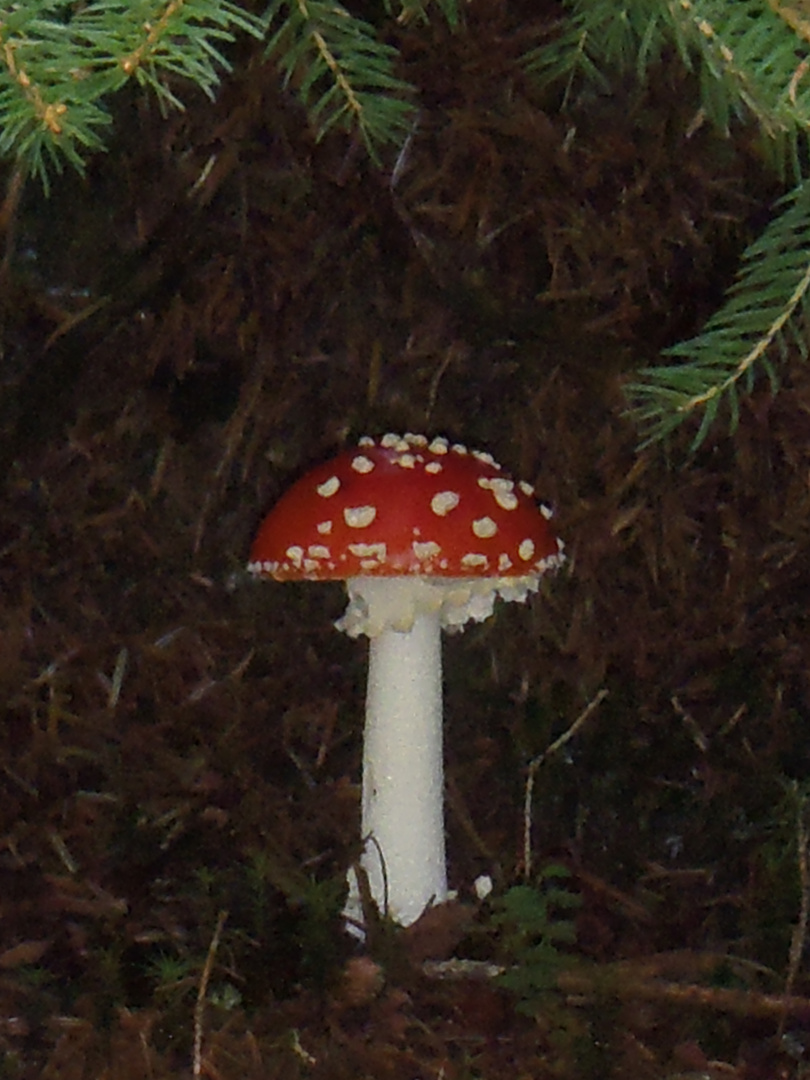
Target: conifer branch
(417,10)
(744,51)
(343,74)
(602,39)
(750,65)
(59,62)
(764,312)
(753,63)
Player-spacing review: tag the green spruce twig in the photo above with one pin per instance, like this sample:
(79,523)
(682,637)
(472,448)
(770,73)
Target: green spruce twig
(60,61)
(764,313)
(344,75)
(412,11)
(753,64)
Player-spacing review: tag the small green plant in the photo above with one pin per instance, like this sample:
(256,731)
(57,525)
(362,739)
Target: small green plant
(174,976)
(532,923)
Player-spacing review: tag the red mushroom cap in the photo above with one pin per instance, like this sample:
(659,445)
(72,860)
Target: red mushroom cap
(403,505)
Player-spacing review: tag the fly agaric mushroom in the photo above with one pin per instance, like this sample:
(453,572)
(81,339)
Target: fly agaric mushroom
(426,535)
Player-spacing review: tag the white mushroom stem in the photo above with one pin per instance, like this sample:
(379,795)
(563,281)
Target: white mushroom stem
(403,771)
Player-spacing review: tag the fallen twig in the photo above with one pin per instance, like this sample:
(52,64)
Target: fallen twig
(535,764)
